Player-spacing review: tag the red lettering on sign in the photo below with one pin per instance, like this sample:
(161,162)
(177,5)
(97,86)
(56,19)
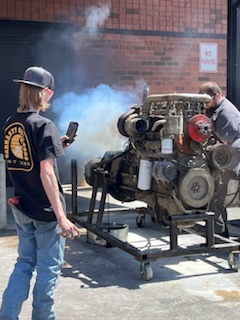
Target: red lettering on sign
(208,53)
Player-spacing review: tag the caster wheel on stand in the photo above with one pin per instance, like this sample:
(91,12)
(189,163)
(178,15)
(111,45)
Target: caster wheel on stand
(146,270)
(140,220)
(234,260)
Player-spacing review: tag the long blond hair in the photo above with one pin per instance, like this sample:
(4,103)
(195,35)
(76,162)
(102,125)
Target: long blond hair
(31,97)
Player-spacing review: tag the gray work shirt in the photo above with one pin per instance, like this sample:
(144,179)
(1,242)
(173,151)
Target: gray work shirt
(226,123)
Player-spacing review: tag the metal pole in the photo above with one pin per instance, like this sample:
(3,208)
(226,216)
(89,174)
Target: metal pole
(74,186)
(3,194)
(232,52)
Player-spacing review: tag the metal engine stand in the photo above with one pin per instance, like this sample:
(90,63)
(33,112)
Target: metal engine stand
(214,243)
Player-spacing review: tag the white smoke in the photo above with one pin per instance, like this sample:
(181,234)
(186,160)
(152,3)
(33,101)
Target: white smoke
(95,17)
(97,110)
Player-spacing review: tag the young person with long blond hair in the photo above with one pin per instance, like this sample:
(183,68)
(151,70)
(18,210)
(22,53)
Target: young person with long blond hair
(31,147)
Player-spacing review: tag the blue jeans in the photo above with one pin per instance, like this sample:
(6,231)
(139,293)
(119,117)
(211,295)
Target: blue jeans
(40,249)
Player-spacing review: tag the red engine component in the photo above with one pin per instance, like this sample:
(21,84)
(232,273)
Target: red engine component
(199,128)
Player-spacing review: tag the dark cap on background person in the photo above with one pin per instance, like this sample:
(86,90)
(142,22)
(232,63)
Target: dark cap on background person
(37,77)
(210,88)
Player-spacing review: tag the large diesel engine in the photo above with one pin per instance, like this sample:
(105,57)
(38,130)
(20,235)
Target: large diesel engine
(172,161)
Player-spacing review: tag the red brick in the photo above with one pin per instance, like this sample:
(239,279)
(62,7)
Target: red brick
(122,50)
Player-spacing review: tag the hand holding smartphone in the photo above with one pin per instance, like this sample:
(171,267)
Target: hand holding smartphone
(71,131)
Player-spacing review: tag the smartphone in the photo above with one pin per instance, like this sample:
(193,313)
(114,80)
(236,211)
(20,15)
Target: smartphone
(71,131)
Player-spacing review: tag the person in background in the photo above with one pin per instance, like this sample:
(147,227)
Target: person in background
(31,147)
(225,119)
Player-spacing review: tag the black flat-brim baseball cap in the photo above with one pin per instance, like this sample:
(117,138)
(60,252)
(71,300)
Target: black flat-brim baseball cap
(37,77)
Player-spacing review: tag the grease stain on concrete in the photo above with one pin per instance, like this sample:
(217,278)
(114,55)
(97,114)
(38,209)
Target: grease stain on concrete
(233,295)
(9,241)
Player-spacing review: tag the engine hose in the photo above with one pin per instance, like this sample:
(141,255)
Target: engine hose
(217,136)
(115,157)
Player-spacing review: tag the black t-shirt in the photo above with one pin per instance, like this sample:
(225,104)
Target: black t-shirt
(28,139)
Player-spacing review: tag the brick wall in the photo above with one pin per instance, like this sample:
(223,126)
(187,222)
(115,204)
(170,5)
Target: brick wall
(156,41)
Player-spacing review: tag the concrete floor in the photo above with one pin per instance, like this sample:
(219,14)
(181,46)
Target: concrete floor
(105,283)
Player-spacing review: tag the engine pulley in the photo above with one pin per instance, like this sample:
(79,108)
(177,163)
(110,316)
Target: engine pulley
(221,156)
(196,187)
(164,171)
(199,128)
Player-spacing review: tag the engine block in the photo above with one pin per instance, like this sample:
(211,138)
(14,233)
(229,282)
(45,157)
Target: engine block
(173,160)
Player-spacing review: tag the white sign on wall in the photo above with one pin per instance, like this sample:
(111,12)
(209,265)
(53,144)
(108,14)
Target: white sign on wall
(208,57)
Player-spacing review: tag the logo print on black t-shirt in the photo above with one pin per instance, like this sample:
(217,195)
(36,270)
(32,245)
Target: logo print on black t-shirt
(17,151)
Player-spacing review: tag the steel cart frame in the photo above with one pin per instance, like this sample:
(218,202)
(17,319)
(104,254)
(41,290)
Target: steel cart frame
(213,243)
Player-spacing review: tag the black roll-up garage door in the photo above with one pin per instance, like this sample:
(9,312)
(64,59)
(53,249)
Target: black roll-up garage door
(23,44)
